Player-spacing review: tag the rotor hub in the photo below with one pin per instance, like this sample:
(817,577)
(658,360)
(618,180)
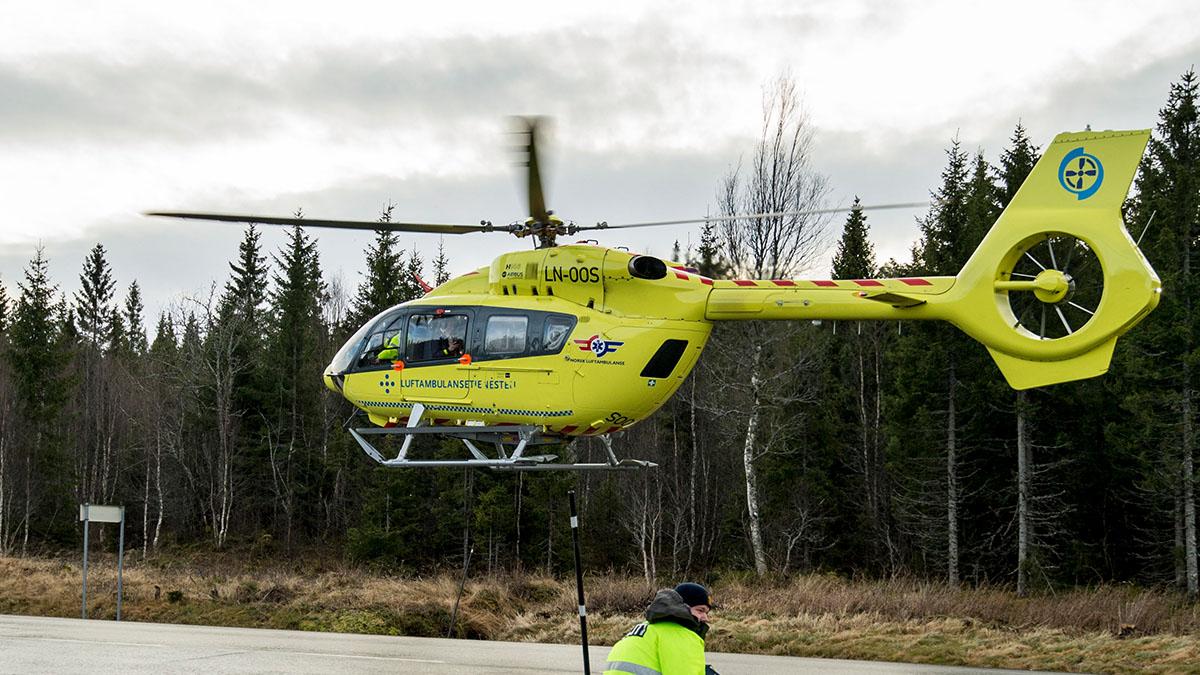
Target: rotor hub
(1053,286)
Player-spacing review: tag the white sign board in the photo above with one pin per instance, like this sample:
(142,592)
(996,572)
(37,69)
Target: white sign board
(100,514)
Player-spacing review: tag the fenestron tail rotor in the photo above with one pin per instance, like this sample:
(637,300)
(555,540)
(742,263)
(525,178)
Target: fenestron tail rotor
(1054,288)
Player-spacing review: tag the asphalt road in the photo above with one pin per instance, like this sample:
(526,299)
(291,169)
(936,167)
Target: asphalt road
(46,645)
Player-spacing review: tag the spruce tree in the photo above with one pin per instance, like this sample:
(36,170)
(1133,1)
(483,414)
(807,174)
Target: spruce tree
(39,366)
(943,245)
(1016,162)
(926,425)
(855,255)
(855,408)
(165,344)
(708,259)
(133,322)
(414,268)
(1160,357)
(4,309)
(384,283)
(245,291)
(35,341)
(93,302)
(239,333)
(441,265)
(100,333)
(295,393)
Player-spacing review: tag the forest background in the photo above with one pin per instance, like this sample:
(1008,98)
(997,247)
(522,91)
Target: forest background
(866,449)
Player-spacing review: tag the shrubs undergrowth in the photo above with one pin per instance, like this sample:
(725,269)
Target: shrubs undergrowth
(1108,629)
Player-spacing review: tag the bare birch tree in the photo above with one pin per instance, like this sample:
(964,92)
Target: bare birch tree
(780,179)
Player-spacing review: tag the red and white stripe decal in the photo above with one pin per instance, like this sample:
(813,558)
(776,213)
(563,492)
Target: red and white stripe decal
(799,283)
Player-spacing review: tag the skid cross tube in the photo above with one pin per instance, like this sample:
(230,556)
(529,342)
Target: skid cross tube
(520,436)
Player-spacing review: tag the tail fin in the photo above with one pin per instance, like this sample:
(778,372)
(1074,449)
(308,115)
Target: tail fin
(1058,267)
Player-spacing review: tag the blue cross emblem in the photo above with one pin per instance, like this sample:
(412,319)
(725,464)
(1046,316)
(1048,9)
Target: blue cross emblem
(1080,173)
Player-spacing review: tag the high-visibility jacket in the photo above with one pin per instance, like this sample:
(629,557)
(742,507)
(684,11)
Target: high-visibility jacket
(392,351)
(669,642)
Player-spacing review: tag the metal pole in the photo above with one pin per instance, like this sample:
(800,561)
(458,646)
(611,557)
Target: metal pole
(461,585)
(83,612)
(120,561)
(579,585)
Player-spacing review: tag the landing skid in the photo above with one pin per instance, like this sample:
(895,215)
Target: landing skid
(520,438)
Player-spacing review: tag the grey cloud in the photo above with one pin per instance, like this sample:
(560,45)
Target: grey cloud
(163,96)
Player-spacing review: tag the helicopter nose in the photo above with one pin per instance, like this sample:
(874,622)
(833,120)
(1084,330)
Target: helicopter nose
(334,382)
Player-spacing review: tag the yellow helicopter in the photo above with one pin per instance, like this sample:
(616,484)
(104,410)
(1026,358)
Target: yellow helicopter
(548,345)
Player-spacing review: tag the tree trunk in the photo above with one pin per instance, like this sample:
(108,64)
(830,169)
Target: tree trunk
(158,491)
(951,484)
(643,537)
(692,533)
(868,456)
(3,492)
(146,513)
(1022,498)
(1189,499)
(756,540)
(1177,520)
(37,446)
(517,520)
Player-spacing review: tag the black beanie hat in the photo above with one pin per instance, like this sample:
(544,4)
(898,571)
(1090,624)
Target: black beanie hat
(693,594)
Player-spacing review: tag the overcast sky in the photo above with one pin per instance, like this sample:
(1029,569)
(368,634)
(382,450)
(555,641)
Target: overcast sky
(111,108)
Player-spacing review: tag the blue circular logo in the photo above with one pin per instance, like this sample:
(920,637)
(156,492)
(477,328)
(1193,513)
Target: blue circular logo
(1080,173)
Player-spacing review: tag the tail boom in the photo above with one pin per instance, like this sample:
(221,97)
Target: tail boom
(800,299)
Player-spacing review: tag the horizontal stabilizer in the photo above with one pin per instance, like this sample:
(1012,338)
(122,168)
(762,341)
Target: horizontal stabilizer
(897,300)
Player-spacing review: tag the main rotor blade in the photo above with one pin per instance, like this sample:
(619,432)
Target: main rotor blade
(338,224)
(752,216)
(537,197)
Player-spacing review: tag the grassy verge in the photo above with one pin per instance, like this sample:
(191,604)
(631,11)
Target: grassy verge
(1110,629)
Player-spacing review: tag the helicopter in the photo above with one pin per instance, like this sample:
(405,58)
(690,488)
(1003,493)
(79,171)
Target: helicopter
(568,341)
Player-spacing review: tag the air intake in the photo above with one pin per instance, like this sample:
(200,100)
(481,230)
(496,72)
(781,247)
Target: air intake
(647,267)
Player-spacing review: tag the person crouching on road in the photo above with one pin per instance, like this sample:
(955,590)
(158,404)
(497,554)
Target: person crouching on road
(671,639)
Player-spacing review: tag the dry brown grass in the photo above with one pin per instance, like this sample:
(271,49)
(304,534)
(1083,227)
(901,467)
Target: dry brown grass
(1109,629)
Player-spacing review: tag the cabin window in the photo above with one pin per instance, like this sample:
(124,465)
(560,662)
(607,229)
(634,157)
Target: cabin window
(505,334)
(436,336)
(556,332)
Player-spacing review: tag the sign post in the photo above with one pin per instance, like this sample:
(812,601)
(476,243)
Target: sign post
(83,515)
(103,514)
(587,668)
